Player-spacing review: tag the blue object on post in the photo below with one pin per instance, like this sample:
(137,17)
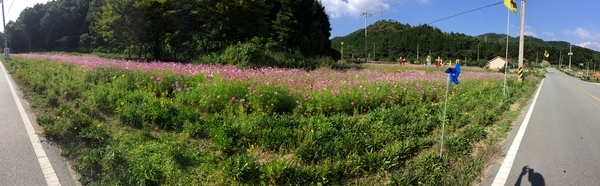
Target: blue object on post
(454,73)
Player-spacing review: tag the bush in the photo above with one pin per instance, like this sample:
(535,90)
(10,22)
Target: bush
(242,168)
(259,53)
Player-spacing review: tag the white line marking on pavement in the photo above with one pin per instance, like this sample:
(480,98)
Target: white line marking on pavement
(502,174)
(47,169)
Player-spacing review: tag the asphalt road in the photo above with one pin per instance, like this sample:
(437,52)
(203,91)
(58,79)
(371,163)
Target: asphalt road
(561,142)
(26,159)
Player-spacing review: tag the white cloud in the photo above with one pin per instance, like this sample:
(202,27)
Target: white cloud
(590,39)
(529,31)
(339,8)
(548,33)
(582,33)
(591,45)
(423,1)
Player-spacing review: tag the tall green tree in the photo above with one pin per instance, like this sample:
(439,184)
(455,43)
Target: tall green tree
(120,22)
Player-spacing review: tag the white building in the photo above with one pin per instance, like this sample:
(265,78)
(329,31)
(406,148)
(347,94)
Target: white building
(497,63)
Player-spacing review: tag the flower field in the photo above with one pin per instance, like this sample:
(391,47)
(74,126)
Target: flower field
(159,123)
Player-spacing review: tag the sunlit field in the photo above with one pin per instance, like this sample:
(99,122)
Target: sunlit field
(160,123)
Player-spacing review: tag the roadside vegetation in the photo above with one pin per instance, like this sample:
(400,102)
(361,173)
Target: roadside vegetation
(135,123)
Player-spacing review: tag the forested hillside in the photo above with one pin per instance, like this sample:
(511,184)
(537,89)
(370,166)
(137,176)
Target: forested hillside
(388,40)
(171,29)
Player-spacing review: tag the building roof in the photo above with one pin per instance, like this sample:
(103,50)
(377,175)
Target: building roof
(509,59)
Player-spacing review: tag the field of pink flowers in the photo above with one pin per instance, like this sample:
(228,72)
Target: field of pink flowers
(163,123)
(324,87)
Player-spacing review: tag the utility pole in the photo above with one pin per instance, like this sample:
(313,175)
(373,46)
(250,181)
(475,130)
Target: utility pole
(373,50)
(417,52)
(366,16)
(588,69)
(478,52)
(381,12)
(342,50)
(6,50)
(560,60)
(521,38)
(570,54)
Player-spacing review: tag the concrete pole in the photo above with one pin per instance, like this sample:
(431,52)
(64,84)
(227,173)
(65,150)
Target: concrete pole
(560,60)
(5,35)
(366,14)
(506,54)
(342,50)
(588,69)
(570,54)
(522,36)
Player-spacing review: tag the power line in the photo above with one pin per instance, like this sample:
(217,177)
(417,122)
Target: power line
(11,3)
(464,12)
(386,2)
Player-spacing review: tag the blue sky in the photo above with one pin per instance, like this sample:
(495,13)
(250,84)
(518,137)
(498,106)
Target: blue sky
(576,22)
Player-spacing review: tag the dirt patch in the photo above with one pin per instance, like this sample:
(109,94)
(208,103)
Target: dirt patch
(515,106)
(263,155)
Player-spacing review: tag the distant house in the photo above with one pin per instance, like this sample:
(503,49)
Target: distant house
(497,63)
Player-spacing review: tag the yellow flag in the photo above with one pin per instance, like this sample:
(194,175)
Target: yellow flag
(511,5)
(546,54)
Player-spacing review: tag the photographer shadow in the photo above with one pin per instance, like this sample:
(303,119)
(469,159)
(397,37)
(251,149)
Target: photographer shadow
(535,178)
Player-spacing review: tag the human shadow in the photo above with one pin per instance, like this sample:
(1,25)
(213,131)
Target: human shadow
(535,178)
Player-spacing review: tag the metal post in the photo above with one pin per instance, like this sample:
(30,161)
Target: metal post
(522,37)
(444,118)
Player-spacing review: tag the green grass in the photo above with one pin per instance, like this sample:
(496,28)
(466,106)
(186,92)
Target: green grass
(119,127)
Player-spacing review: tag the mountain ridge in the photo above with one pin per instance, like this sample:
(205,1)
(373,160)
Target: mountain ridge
(388,40)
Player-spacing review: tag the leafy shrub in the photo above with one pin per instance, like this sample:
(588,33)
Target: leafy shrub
(247,54)
(278,132)
(429,169)
(272,172)
(243,168)
(271,100)
(474,133)
(459,145)
(129,110)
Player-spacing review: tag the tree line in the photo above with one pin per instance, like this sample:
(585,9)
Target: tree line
(171,29)
(388,40)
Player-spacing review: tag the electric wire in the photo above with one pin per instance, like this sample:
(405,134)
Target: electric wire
(472,10)
(11,3)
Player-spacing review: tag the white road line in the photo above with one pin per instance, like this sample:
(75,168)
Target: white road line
(47,169)
(502,174)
